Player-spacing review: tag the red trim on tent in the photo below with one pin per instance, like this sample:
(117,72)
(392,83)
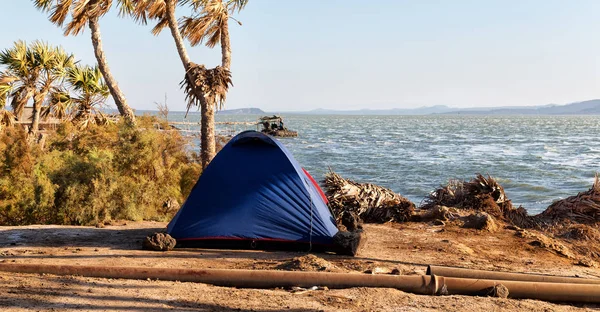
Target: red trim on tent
(314,182)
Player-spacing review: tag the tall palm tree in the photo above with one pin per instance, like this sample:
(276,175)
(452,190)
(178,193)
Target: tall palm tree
(88,12)
(31,73)
(89,94)
(212,25)
(206,88)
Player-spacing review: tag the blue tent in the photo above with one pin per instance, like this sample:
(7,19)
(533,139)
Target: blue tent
(254,192)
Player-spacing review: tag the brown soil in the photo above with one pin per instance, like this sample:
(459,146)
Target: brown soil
(407,247)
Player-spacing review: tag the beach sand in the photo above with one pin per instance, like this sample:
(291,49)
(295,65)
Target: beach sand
(408,247)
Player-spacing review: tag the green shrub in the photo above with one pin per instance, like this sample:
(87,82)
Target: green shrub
(94,175)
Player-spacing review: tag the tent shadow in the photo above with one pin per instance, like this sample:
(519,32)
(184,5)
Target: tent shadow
(120,238)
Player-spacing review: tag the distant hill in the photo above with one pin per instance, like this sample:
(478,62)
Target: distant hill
(394,111)
(591,107)
(242,111)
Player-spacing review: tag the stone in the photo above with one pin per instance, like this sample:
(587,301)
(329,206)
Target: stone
(159,242)
(349,243)
(481,221)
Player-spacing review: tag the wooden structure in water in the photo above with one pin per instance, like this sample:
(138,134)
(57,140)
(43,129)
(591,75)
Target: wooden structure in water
(273,125)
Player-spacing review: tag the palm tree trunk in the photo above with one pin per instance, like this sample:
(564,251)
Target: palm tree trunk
(225,46)
(19,102)
(207,128)
(113,87)
(174,27)
(37,108)
(207,133)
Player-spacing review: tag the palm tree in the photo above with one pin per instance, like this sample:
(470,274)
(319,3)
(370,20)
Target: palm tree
(88,12)
(90,93)
(212,25)
(54,63)
(34,71)
(20,77)
(206,88)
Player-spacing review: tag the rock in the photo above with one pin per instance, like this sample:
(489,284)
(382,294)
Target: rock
(395,271)
(349,243)
(159,242)
(351,221)
(498,291)
(481,221)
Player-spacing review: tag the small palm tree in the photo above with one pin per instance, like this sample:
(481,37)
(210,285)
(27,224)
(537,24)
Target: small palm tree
(89,96)
(20,77)
(54,64)
(32,71)
(88,12)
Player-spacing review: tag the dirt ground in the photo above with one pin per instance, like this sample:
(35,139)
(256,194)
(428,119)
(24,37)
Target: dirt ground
(408,247)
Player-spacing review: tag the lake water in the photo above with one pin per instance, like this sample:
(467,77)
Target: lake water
(537,159)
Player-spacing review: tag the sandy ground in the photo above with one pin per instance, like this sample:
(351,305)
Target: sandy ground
(407,247)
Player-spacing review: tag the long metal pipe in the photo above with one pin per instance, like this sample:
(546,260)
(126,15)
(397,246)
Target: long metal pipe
(505,276)
(422,284)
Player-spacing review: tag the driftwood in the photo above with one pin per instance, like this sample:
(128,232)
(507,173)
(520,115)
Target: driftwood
(582,208)
(372,203)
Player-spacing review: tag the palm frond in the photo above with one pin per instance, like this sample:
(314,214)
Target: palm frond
(207,25)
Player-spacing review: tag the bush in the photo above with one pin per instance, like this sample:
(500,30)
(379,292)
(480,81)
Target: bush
(94,175)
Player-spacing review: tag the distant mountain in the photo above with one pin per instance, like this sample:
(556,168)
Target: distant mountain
(591,107)
(426,110)
(242,111)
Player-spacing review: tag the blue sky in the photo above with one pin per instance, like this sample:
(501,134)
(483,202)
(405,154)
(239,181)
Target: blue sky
(347,54)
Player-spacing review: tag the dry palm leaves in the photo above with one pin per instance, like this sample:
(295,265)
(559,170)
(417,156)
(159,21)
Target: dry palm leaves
(372,203)
(208,85)
(582,208)
(481,194)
